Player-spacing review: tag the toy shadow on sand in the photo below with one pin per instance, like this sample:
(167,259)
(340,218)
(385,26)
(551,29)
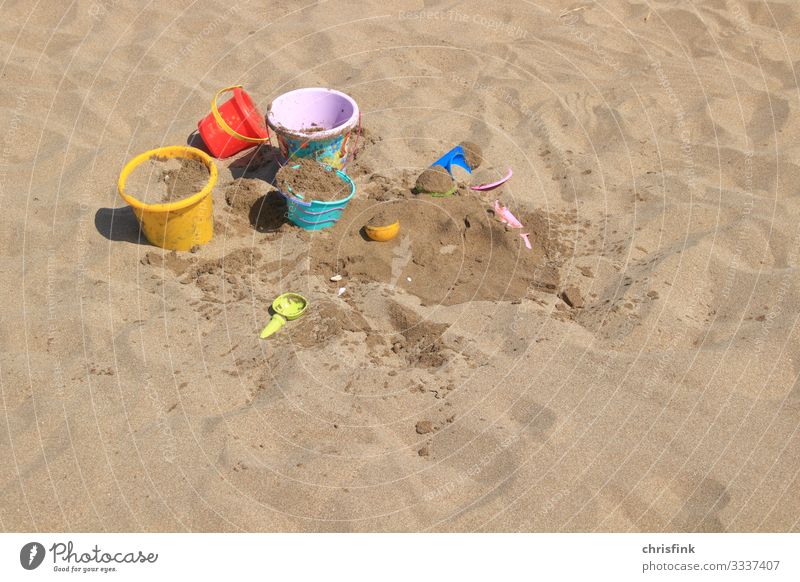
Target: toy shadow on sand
(119,224)
(268,212)
(259,163)
(194,140)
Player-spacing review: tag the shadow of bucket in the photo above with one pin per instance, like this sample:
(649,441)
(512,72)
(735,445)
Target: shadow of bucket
(316,214)
(315,123)
(179,225)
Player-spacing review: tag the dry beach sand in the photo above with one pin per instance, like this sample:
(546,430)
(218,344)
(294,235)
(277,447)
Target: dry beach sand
(637,370)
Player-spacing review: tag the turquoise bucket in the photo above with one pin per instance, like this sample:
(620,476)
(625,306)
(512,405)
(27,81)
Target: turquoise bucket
(316,215)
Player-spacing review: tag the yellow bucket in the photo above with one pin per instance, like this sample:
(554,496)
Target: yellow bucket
(178,225)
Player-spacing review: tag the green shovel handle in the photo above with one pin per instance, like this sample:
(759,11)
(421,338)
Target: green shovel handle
(277,322)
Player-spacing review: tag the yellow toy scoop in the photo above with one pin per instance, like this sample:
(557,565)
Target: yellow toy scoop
(287,307)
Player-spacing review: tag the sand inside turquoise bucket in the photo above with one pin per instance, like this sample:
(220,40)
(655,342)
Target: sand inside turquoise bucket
(309,180)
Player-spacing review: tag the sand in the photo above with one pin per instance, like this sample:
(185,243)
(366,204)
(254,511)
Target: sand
(186,180)
(310,180)
(473,153)
(162,180)
(384,215)
(655,166)
(449,250)
(434,180)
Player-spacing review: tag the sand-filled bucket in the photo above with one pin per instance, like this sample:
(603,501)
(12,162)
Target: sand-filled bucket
(315,123)
(316,214)
(177,225)
(234,126)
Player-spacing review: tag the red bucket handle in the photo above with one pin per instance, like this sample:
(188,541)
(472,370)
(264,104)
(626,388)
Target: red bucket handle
(228,129)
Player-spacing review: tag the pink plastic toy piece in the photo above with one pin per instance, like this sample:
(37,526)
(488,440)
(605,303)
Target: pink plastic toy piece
(505,215)
(524,236)
(493,185)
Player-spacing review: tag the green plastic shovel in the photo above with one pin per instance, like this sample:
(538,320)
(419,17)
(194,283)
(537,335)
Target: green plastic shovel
(287,307)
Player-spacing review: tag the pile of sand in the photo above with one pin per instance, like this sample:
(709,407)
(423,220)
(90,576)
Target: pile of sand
(385,215)
(435,180)
(449,250)
(472,153)
(310,180)
(167,179)
(252,204)
(188,179)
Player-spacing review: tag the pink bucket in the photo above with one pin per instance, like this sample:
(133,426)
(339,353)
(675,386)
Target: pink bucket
(315,123)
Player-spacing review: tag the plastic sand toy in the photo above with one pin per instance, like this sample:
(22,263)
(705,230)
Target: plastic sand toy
(317,214)
(454,157)
(449,192)
(234,126)
(287,307)
(383,233)
(493,185)
(177,225)
(316,123)
(504,214)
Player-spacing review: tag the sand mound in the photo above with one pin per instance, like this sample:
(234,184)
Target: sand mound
(249,205)
(473,153)
(241,194)
(184,181)
(161,180)
(449,250)
(325,322)
(434,179)
(385,215)
(309,180)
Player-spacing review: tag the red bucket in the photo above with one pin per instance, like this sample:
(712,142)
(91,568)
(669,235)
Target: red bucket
(235,126)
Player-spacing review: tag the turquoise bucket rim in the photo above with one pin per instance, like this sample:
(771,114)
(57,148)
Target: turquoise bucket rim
(318,214)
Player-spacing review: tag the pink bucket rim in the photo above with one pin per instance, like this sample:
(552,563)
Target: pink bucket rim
(316,135)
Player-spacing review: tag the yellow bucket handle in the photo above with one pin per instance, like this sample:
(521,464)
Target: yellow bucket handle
(228,129)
